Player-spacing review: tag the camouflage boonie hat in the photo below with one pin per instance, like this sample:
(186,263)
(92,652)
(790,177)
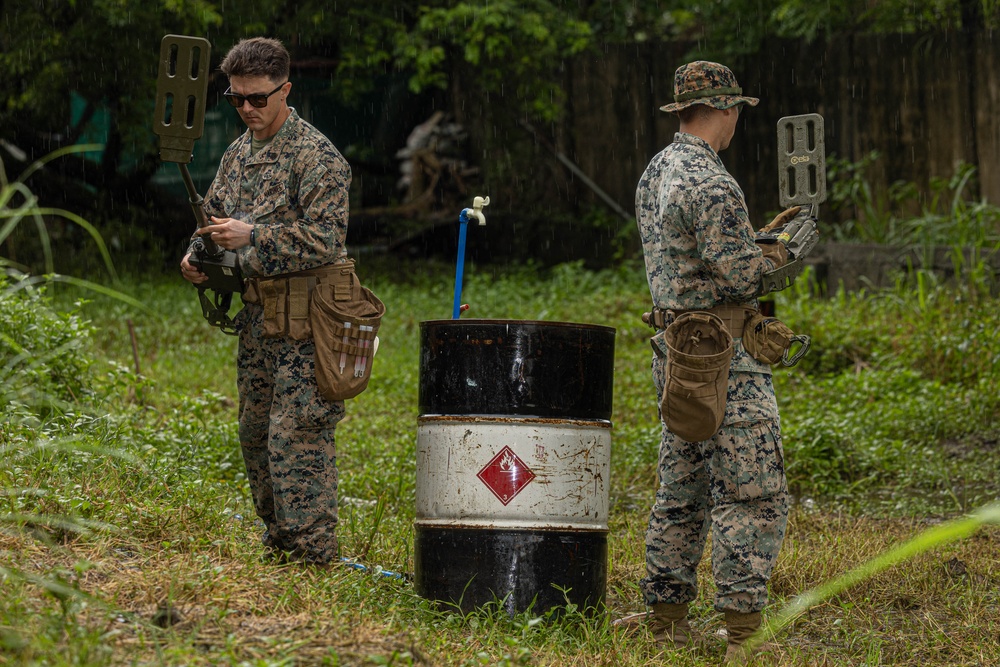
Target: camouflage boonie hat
(704,82)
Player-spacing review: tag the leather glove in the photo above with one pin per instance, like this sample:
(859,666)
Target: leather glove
(782,219)
(774,251)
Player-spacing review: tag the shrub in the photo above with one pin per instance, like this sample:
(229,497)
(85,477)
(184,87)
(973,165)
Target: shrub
(44,358)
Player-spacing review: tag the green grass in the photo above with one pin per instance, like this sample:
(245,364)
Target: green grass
(891,427)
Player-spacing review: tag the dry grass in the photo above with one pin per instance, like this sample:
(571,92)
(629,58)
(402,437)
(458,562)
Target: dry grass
(227,605)
(183,582)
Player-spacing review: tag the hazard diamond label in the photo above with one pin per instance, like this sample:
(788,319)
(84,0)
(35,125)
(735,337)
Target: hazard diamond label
(506,475)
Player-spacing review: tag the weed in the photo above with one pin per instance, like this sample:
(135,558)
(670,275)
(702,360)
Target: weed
(885,419)
(127,530)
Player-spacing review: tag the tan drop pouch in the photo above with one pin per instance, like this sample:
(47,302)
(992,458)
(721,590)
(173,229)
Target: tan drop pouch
(329,305)
(344,326)
(700,349)
(770,341)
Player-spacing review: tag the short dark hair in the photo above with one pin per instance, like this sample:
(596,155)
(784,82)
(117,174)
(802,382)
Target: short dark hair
(257,56)
(691,113)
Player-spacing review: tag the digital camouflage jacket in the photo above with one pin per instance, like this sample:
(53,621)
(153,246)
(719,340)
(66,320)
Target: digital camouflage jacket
(294,192)
(697,239)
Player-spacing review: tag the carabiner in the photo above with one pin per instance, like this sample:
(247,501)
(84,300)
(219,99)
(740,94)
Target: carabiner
(794,359)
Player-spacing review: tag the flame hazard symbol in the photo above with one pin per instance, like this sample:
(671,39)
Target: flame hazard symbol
(506,475)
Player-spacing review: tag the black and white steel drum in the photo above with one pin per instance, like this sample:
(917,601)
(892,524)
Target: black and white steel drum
(513,463)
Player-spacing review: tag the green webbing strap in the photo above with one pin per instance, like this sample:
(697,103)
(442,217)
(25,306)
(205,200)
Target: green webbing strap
(217,312)
(708,92)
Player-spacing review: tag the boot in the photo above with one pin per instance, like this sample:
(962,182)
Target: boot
(739,627)
(670,624)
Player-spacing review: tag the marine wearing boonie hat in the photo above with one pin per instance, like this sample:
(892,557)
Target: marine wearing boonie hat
(705,82)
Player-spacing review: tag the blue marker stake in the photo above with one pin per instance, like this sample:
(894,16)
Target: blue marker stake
(463,226)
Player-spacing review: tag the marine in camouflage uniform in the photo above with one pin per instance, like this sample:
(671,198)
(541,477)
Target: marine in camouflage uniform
(280,200)
(699,251)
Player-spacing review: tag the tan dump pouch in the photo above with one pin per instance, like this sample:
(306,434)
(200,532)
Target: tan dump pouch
(769,341)
(344,327)
(694,397)
(329,305)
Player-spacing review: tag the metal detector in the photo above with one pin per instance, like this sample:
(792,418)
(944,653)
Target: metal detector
(802,161)
(178,121)
(801,182)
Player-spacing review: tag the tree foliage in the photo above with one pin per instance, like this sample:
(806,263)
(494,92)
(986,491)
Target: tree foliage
(102,51)
(64,61)
(496,48)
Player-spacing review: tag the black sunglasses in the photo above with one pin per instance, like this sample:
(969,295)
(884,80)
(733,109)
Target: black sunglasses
(257,100)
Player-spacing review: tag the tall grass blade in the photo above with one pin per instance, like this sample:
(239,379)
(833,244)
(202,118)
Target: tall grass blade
(931,538)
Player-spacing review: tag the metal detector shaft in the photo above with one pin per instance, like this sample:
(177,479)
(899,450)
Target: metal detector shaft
(196,206)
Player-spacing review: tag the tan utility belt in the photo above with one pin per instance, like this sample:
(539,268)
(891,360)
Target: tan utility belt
(766,339)
(331,306)
(285,297)
(338,275)
(733,315)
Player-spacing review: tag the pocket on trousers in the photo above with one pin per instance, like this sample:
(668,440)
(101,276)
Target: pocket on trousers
(748,463)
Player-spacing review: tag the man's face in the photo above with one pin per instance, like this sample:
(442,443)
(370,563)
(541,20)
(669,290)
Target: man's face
(265,121)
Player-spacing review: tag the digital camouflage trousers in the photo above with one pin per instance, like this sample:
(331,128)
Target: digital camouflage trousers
(733,485)
(287,436)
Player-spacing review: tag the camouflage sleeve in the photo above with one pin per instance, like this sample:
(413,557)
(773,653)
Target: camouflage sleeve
(214,203)
(725,241)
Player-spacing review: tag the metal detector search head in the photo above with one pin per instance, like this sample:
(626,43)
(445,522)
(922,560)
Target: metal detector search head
(801,161)
(801,182)
(181,91)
